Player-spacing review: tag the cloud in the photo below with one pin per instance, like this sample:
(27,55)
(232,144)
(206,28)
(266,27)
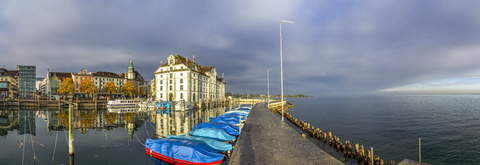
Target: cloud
(334,47)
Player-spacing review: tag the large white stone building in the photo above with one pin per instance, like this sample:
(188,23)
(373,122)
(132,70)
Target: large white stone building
(183,79)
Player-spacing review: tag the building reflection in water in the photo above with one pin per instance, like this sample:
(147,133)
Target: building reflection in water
(179,123)
(15,119)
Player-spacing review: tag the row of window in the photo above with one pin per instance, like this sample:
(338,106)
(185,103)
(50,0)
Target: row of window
(6,79)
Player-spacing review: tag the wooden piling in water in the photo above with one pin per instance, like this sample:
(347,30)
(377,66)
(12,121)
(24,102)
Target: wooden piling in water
(70,128)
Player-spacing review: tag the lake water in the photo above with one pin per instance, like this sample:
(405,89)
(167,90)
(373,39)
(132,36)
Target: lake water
(449,125)
(102,136)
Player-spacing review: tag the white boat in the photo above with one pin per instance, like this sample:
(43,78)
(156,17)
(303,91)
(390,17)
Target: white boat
(122,103)
(125,110)
(148,104)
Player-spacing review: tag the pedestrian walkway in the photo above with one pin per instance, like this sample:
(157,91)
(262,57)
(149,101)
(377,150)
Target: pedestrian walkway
(265,139)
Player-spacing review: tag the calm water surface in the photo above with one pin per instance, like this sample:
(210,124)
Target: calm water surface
(449,125)
(102,136)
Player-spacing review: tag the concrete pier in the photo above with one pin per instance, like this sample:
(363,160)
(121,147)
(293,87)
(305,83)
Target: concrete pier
(265,139)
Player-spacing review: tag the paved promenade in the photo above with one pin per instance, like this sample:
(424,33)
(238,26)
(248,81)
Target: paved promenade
(265,139)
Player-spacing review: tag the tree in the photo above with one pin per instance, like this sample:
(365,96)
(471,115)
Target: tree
(88,87)
(128,88)
(110,87)
(66,86)
(141,92)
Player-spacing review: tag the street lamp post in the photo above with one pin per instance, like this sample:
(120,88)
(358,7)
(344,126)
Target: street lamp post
(268,88)
(281,61)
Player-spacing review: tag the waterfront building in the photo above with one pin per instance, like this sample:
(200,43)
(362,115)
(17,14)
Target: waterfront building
(183,79)
(26,82)
(100,79)
(54,81)
(152,88)
(136,79)
(78,78)
(38,85)
(8,83)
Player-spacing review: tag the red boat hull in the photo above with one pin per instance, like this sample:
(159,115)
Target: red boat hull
(176,161)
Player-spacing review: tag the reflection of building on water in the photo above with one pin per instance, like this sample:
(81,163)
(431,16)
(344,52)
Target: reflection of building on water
(183,123)
(22,121)
(8,122)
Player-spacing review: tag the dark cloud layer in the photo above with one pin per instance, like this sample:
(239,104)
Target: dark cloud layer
(334,47)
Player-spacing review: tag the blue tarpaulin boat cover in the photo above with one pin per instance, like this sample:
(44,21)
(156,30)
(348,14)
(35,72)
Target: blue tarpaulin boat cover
(215,145)
(213,133)
(230,116)
(165,104)
(232,130)
(229,121)
(234,115)
(245,113)
(183,150)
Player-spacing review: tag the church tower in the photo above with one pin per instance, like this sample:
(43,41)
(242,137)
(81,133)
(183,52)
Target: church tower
(131,74)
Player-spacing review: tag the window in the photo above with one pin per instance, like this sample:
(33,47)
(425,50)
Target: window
(181,81)
(181,95)
(181,87)
(170,87)
(171,75)
(170,81)
(161,81)
(194,87)
(161,88)
(171,68)
(171,61)
(161,95)
(161,76)
(181,67)
(181,74)
(161,70)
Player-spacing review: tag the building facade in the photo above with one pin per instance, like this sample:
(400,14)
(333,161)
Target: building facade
(26,82)
(99,78)
(183,79)
(8,83)
(79,77)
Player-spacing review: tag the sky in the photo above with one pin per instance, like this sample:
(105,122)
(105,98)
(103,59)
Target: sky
(336,47)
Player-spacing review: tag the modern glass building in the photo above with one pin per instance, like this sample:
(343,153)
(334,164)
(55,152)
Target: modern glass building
(26,80)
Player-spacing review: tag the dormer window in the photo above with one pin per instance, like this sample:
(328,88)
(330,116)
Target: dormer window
(171,68)
(171,61)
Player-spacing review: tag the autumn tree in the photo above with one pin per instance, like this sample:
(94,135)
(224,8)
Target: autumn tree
(88,87)
(141,92)
(128,88)
(66,86)
(110,87)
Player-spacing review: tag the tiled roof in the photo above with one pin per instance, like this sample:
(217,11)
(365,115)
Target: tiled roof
(109,74)
(61,75)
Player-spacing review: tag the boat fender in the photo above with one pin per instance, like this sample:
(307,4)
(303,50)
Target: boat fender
(151,153)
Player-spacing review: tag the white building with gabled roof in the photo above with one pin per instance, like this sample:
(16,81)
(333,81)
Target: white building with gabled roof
(183,79)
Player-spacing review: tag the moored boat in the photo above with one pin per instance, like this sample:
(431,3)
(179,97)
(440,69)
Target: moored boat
(214,145)
(122,103)
(182,152)
(232,130)
(213,133)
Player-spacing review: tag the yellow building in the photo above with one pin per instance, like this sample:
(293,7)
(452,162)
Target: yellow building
(152,88)
(8,83)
